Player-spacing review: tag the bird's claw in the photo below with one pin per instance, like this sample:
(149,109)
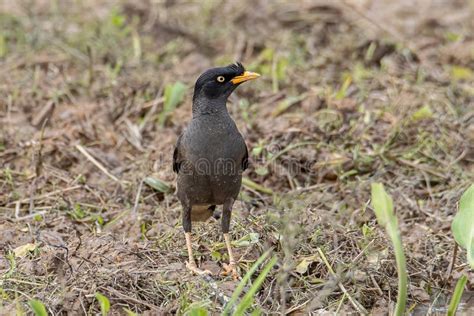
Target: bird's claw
(230,269)
(194,269)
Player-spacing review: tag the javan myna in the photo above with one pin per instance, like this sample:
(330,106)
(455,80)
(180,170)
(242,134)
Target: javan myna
(211,155)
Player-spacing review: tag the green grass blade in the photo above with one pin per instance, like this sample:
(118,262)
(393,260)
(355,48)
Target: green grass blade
(453,305)
(255,186)
(38,308)
(198,311)
(104,303)
(173,96)
(248,298)
(157,184)
(245,279)
(382,204)
(402,271)
(129,312)
(383,208)
(341,94)
(462,226)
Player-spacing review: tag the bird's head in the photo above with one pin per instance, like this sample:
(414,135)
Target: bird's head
(219,83)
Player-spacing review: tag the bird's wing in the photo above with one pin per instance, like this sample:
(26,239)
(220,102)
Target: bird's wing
(177,155)
(245,160)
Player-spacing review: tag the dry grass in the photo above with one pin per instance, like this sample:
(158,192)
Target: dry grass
(347,97)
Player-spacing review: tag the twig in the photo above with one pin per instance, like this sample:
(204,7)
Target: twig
(137,198)
(459,158)
(48,194)
(130,298)
(354,261)
(90,78)
(423,168)
(83,151)
(38,167)
(20,218)
(17,291)
(154,105)
(308,188)
(340,303)
(356,304)
(32,195)
(43,115)
(297,307)
(377,286)
(452,262)
(24,282)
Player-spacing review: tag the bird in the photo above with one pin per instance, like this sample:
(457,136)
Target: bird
(210,157)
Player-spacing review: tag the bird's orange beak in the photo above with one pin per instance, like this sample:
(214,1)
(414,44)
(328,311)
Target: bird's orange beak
(247,75)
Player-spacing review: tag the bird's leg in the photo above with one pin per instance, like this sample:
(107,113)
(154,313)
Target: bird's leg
(229,249)
(226,214)
(191,264)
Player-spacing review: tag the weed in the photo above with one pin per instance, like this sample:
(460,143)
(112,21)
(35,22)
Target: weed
(383,208)
(104,303)
(38,308)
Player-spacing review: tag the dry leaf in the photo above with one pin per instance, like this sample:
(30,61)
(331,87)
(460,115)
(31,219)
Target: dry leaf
(21,251)
(302,267)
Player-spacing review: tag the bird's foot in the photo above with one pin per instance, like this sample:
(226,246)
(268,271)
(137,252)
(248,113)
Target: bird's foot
(194,269)
(230,269)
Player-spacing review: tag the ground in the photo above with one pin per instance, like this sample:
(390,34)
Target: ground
(95,93)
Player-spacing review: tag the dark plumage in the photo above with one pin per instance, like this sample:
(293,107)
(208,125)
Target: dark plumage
(211,154)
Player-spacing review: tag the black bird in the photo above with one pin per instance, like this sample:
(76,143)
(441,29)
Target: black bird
(211,155)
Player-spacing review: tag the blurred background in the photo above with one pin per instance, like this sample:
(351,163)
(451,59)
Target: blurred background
(93,95)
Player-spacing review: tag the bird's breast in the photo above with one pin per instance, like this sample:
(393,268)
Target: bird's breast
(214,148)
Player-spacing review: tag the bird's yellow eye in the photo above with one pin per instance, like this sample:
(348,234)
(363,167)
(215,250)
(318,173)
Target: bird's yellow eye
(220,79)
